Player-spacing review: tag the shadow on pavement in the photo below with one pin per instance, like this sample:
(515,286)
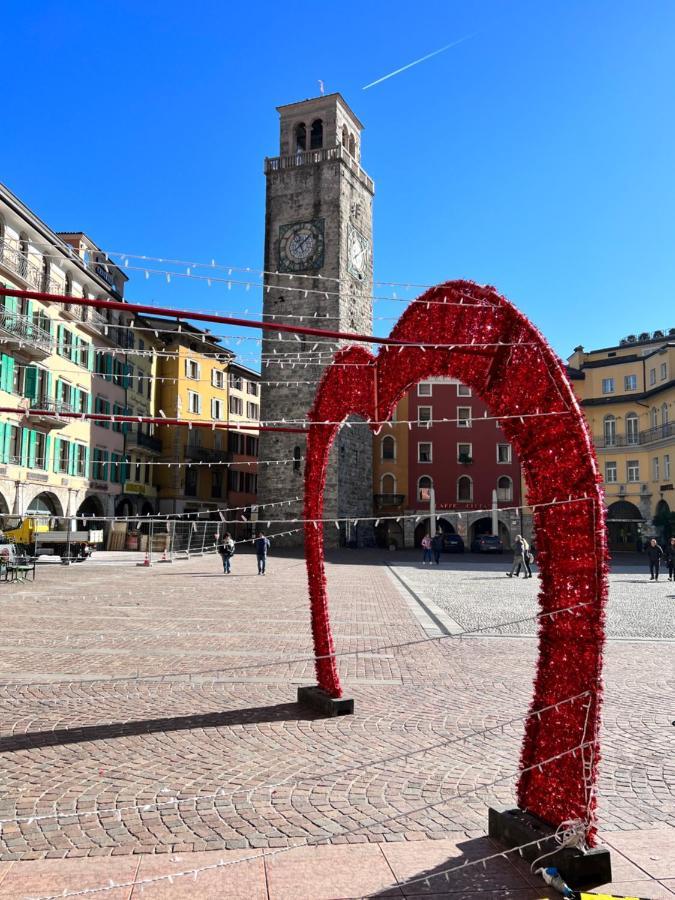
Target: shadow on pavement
(254,715)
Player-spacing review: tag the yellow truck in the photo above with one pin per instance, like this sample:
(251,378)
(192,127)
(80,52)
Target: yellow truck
(33,536)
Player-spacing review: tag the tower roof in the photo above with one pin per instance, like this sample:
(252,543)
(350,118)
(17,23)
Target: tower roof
(319,101)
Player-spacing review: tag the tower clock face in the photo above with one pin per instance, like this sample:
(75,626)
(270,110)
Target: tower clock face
(358,253)
(301,246)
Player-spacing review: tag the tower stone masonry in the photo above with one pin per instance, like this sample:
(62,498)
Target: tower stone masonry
(319,265)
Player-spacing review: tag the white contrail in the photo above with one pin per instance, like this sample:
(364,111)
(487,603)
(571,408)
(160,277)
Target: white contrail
(417,61)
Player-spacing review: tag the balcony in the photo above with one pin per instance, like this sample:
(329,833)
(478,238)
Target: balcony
(89,319)
(207,454)
(50,413)
(22,333)
(16,262)
(658,433)
(137,440)
(311,157)
(388,501)
(650,436)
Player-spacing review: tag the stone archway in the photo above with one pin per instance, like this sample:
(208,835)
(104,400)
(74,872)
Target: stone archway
(45,504)
(624,526)
(471,333)
(4,506)
(484,526)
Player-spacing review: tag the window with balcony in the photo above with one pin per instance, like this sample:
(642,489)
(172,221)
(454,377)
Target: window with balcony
(609,431)
(632,428)
(664,414)
(388,484)
(194,402)
(464,417)
(630,383)
(655,469)
(192,369)
(217,409)
(654,417)
(464,489)
(252,411)
(236,406)
(610,472)
(504,489)
(424,414)
(217,378)
(424,452)
(424,389)
(633,470)
(504,453)
(607,385)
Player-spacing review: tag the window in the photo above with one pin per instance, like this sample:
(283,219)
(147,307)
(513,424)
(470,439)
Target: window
(300,137)
(101,407)
(630,383)
(66,343)
(504,489)
(463,390)
(424,453)
(632,430)
(652,376)
(655,469)
(235,382)
(85,350)
(40,450)
(62,458)
(664,415)
(666,465)
(194,402)
(252,388)
(607,385)
(191,476)
(316,135)
(633,470)
(424,486)
(610,473)
(252,410)
(664,371)
(192,369)
(609,431)
(217,409)
(297,457)
(464,489)
(388,484)
(424,389)
(464,453)
(15,445)
(654,417)
(217,483)
(218,378)
(137,471)
(81,460)
(99,469)
(236,406)
(503,453)
(388,448)
(464,417)
(118,426)
(424,415)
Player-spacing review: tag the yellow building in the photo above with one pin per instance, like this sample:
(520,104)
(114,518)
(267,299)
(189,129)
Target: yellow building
(627,393)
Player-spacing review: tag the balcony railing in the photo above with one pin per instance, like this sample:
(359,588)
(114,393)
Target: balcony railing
(20,329)
(310,157)
(207,454)
(144,441)
(49,413)
(658,433)
(15,260)
(387,501)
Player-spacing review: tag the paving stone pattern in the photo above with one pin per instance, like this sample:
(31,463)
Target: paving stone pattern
(221,731)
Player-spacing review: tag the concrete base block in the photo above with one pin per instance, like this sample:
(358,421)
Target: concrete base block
(514,827)
(318,699)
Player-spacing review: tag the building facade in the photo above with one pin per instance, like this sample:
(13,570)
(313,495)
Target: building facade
(627,393)
(463,459)
(49,354)
(318,269)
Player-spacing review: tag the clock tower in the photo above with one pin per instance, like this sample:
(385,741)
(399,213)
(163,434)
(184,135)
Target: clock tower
(319,273)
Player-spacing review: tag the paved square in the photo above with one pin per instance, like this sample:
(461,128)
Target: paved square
(216,755)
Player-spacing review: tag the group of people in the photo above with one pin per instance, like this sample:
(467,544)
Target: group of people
(226,548)
(655,554)
(432,546)
(522,558)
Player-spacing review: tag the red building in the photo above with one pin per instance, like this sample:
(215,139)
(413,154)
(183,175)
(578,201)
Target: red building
(451,446)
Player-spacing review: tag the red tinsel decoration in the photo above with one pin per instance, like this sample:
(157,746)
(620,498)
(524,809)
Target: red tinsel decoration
(522,377)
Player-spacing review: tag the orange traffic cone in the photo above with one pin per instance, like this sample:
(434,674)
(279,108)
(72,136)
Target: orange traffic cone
(146,561)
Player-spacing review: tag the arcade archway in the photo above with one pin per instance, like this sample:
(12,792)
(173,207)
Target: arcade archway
(624,526)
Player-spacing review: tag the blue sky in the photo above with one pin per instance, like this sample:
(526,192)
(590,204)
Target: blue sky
(536,156)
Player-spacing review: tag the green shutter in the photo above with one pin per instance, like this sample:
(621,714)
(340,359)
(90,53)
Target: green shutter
(48,385)
(89,401)
(7,373)
(86,462)
(30,383)
(104,473)
(114,467)
(90,358)
(75,349)
(59,340)
(75,399)
(57,454)
(71,458)
(48,452)
(25,440)
(32,441)
(3,444)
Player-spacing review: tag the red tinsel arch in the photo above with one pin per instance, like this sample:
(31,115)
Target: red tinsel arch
(522,377)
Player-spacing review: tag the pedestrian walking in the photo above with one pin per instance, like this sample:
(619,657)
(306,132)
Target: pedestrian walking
(654,555)
(518,557)
(670,559)
(262,545)
(437,547)
(426,550)
(528,559)
(226,550)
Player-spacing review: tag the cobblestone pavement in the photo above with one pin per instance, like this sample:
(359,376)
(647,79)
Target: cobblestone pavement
(221,732)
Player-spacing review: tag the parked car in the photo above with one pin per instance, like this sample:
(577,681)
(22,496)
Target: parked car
(453,543)
(487,543)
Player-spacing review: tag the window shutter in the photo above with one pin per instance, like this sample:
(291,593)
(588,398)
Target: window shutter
(59,340)
(90,358)
(86,462)
(57,453)
(108,360)
(199,403)
(25,440)
(75,399)
(48,385)
(30,384)
(4,452)
(48,451)
(71,458)
(7,374)
(106,457)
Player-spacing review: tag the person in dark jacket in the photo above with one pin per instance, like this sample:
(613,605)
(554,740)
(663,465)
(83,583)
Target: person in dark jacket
(654,554)
(262,545)
(437,546)
(670,559)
